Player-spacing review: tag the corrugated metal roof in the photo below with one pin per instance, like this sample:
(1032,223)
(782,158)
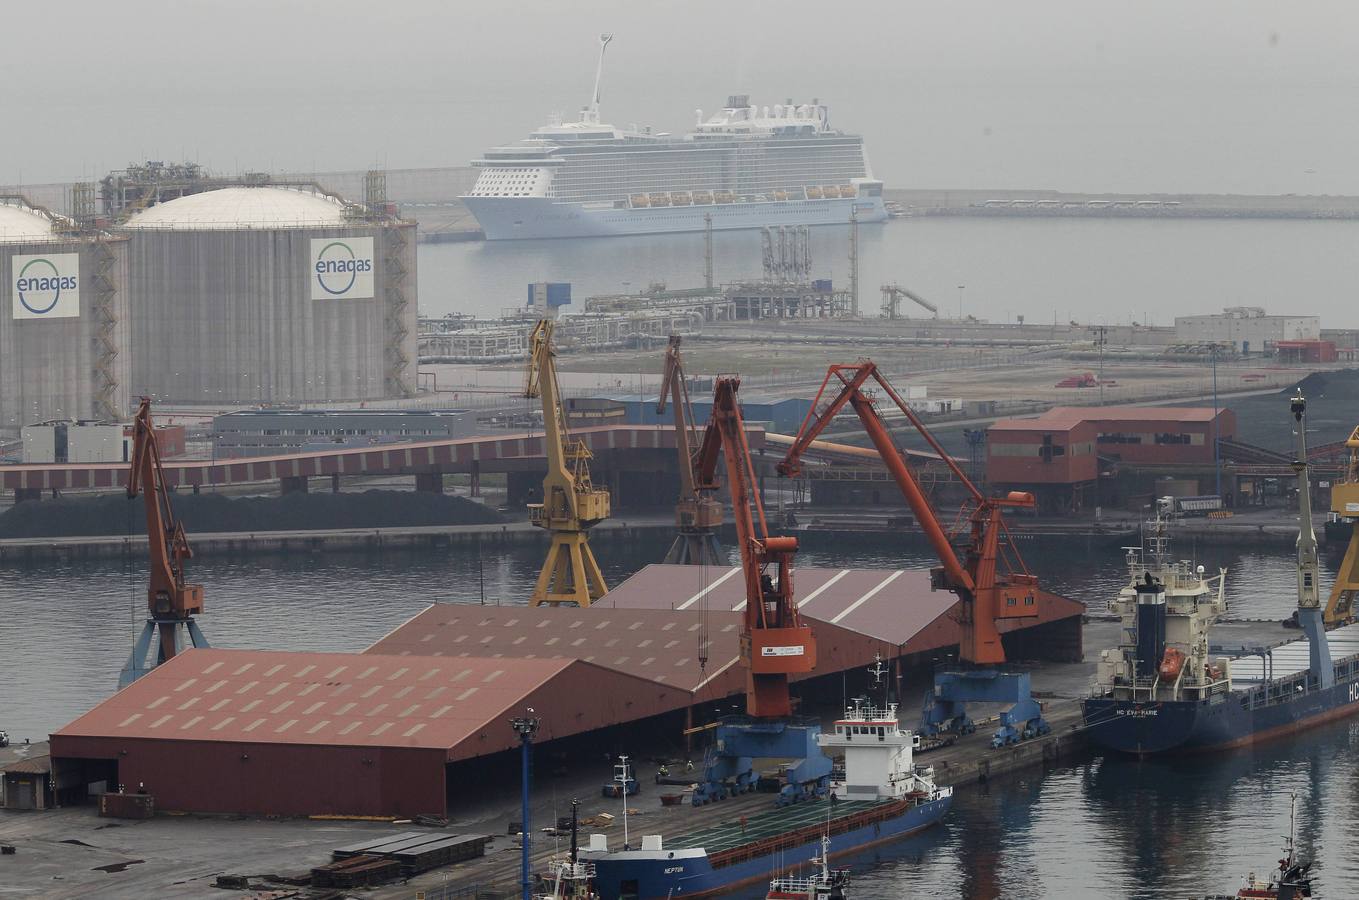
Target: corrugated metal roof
(335,699)
(241,207)
(655,644)
(1067,417)
(32,765)
(886,605)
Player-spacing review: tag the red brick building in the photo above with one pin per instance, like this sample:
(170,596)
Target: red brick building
(1056,454)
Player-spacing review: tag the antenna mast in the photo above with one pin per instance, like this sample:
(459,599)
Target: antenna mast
(599,78)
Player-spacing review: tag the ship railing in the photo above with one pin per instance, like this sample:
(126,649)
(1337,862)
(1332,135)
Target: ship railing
(794,884)
(1280,691)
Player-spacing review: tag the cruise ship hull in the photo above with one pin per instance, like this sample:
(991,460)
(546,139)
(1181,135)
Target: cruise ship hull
(1146,728)
(666,874)
(528,218)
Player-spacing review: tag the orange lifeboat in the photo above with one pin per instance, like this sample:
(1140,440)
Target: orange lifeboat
(1171,664)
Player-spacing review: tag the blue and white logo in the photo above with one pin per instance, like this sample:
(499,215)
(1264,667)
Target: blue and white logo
(46,286)
(341,268)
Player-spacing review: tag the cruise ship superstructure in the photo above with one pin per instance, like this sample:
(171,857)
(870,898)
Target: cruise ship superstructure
(745,167)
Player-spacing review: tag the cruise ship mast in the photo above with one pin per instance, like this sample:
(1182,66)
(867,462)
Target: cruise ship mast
(590,114)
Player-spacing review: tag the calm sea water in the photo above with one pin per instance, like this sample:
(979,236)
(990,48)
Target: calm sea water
(1104,828)
(1092,270)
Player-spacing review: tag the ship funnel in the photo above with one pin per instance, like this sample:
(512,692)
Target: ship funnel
(1151,626)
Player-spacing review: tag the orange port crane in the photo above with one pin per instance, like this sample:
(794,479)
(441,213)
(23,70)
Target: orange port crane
(989,577)
(171,601)
(697,514)
(774,642)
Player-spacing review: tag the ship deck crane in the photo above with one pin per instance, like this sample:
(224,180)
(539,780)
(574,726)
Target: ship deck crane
(775,643)
(1345,503)
(171,601)
(697,514)
(571,503)
(988,577)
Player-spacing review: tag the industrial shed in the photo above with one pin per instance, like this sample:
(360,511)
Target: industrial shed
(426,708)
(278,733)
(894,611)
(650,625)
(658,645)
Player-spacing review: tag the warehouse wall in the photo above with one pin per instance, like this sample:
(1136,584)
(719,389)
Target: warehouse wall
(268,779)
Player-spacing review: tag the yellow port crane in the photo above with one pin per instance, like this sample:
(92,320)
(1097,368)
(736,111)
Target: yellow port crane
(1345,502)
(697,514)
(571,503)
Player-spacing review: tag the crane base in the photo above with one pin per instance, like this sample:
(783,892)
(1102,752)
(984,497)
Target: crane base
(945,709)
(694,548)
(570,573)
(187,634)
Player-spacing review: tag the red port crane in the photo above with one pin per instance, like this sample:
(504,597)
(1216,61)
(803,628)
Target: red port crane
(697,514)
(989,578)
(774,642)
(171,601)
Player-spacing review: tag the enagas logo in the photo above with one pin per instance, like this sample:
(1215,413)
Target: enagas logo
(342,268)
(46,287)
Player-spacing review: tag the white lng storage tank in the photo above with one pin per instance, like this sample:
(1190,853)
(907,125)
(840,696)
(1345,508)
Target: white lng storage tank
(266,295)
(63,329)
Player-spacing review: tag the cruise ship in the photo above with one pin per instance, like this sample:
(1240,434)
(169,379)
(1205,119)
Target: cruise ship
(745,167)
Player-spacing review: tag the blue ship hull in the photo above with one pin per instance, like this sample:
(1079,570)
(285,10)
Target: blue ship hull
(672,874)
(523,218)
(1232,719)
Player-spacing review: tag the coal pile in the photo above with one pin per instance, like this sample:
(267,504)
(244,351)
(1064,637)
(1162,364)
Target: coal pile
(213,513)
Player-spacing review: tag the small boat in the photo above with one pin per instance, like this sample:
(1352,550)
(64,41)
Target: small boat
(825,884)
(1290,881)
(569,881)
(570,878)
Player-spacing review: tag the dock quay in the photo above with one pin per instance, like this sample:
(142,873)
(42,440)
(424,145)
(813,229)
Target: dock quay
(192,850)
(493,536)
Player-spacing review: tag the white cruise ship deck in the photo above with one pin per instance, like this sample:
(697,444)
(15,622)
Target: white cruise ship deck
(745,167)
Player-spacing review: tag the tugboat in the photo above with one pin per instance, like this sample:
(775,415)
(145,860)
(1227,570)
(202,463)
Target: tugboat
(570,881)
(825,884)
(1290,881)
(570,878)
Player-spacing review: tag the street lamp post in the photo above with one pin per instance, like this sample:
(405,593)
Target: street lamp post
(1217,455)
(526,727)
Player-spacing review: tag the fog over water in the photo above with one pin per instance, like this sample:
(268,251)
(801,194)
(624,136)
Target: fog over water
(1243,96)
(1108,271)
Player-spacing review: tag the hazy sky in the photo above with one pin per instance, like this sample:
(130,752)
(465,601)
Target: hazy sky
(1191,95)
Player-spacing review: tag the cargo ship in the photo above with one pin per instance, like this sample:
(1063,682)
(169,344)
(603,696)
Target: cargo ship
(883,796)
(745,167)
(1160,691)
